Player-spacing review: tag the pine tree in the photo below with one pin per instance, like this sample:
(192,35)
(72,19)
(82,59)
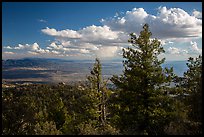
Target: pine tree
(191,85)
(98,88)
(143,86)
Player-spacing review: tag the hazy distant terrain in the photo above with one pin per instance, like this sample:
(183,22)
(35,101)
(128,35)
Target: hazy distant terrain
(56,70)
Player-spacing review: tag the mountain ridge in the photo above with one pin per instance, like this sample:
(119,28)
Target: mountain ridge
(66,70)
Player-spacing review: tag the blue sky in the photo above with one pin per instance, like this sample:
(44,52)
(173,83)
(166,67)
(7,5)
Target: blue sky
(84,30)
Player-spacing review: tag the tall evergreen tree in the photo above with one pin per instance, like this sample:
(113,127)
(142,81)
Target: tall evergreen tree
(144,103)
(191,87)
(98,88)
(101,99)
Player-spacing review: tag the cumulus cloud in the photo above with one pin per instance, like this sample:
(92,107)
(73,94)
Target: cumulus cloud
(84,51)
(96,33)
(90,46)
(91,34)
(53,45)
(55,52)
(107,51)
(8,47)
(194,48)
(33,53)
(30,48)
(167,24)
(8,52)
(66,43)
(92,39)
(174,50)
(20,46)
(63,33)
(108,40)
(197,14)
(35,46)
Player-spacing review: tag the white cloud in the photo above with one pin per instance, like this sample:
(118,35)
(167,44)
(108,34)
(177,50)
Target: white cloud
(191,50)
(137,14)
(163,42)
(51,32)
(91,34)
(20,46)
(170,26)
(170,42)
(42,20)
(107,51)
(95,33)
(55,52)
(42,51)
(33,53)
(66,43)
(55,46)
(168,23)
(194,48)
(90,46)
(48,48)
(8,47)
(116,14)
(197,14)
(174,50)
(85,51)
(30,48)
(7,52)
(93,39)
(63,33)
(35,46)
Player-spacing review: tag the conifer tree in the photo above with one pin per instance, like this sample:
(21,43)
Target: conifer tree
(98,88)
(191,86)
(143,86)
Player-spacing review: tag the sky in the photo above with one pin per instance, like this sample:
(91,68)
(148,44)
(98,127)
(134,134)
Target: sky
(85,30)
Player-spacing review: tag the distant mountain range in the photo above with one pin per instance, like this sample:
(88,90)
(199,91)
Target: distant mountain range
(66,70)
(31,62)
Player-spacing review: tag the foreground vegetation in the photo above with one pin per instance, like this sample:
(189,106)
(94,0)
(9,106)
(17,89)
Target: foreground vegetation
(142,103)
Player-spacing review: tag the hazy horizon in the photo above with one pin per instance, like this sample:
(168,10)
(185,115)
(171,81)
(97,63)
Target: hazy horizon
(55,71)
